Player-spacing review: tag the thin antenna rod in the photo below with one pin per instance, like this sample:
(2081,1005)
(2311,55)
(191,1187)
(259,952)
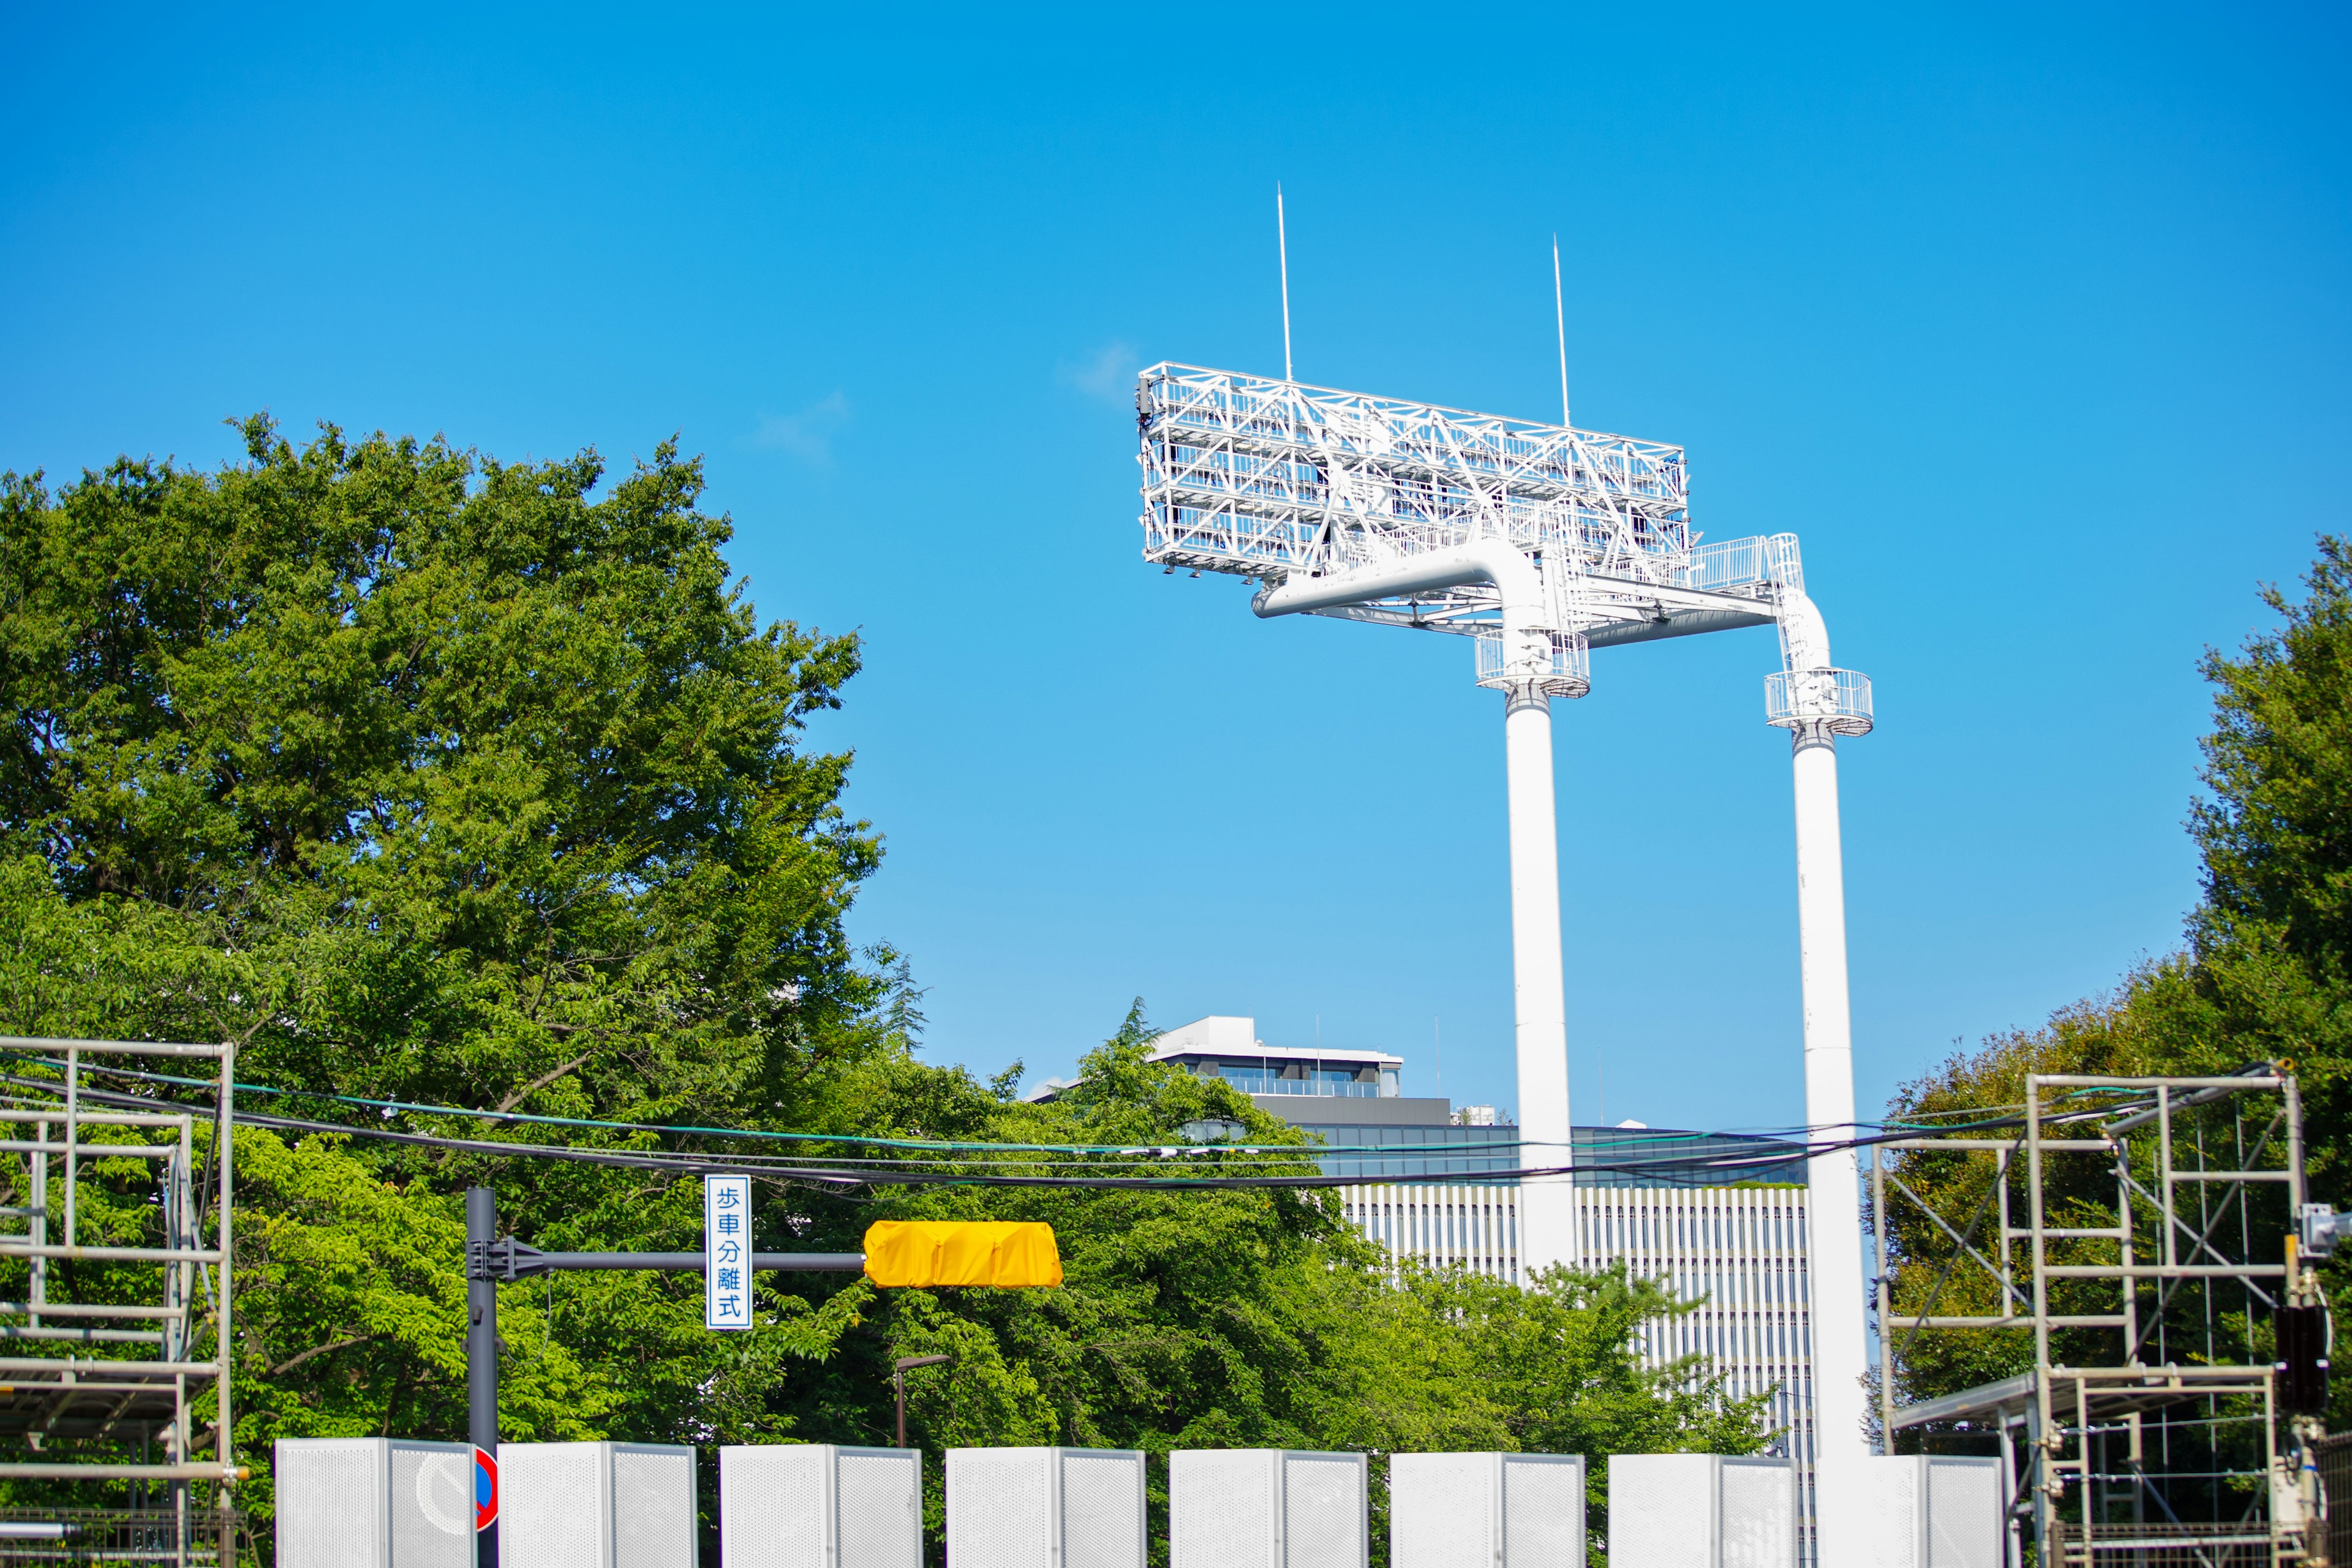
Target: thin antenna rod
(1559,316)
(1282,242)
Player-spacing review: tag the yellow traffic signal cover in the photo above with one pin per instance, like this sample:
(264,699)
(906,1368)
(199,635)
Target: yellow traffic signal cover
(955,1252)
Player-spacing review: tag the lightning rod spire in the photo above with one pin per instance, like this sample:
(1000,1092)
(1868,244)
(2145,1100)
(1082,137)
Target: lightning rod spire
(1560,318)
(1282,244)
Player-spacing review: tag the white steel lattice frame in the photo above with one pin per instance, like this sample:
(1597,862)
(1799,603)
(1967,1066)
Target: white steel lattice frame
(2160,1246)
(111,1375)
(1270,480)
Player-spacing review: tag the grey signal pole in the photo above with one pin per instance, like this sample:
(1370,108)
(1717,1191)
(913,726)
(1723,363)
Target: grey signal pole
(482,1345)
(489,1260)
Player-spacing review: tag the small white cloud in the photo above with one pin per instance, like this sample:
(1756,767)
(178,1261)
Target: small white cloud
(1109,375)
(807,434)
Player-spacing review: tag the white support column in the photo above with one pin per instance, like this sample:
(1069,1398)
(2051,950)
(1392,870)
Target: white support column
(1547,1208)
(1817,702)
(1839,1359)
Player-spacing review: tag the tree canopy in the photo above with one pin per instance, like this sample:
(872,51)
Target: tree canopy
(433,781)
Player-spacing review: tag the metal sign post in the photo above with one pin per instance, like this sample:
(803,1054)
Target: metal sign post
(491,1260)
(482,1360)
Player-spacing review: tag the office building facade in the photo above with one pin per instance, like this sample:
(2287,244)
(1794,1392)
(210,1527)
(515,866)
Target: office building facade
(1718,1219)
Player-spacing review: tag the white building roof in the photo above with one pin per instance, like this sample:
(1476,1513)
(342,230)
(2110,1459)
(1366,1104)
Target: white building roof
(1237,1038)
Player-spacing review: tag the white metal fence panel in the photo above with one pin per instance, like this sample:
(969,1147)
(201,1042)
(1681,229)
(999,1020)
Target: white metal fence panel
(1758,1508)
(1965,1498)
(332,1499)
(1543,1510)
(1442,1511)
(1001,1508)
(1326,1511)
(775,1506)
(1224,1509)
(555,1506)
(653,1506)
(432,1504)
(1103,1516)
(374,1503)
(1890,1511)
(1662,1510)
(1045,1508)
(878,1508)
(595,1505)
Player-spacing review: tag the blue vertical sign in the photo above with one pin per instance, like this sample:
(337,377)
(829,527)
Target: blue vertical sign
(726,1252)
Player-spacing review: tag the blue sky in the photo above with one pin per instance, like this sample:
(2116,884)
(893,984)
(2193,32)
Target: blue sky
(2030,323)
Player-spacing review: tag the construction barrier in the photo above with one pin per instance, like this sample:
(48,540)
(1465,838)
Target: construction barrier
(816,1505)
(374,1503)
(1497,1511)
(1701,1511)
(1045,1508)
(1934,1512)
(595,1505)
(1267,1507)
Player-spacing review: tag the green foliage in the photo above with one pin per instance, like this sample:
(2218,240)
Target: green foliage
(427,778)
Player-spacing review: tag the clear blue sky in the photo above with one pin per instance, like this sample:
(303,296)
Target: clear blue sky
(2032,324)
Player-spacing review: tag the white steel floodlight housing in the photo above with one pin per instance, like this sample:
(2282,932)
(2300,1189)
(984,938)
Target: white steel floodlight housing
(1485,1510)
(1543,542)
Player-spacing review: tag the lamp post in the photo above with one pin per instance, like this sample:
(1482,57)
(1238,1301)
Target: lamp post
(899,1370)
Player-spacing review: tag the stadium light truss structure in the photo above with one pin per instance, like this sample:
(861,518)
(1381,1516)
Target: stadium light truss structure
(1541,542)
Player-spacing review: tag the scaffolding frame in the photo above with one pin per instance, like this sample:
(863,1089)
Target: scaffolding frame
(114,1392)
(2067,1411)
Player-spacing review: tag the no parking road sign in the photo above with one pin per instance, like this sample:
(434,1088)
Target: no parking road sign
(486,1490)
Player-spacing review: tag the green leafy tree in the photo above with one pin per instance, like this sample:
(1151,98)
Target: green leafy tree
(429,780)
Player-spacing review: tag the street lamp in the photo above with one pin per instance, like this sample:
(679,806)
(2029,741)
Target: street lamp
(899,1370)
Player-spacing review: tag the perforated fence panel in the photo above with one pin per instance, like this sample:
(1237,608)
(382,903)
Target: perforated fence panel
(1222,1508)
(1964,1522)
(653,1506)
(1001,1508)
(1102,1509)
(1887,1525)
(555,1506)
(1326,1518)
(1758,1513)
(771,1505)
(1442,1511)
(331,1496)
(1662,1510)
(878,1506)
(432,1504)
(1543,1510)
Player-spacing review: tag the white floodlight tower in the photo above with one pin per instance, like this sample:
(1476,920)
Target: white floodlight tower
(1540,542)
